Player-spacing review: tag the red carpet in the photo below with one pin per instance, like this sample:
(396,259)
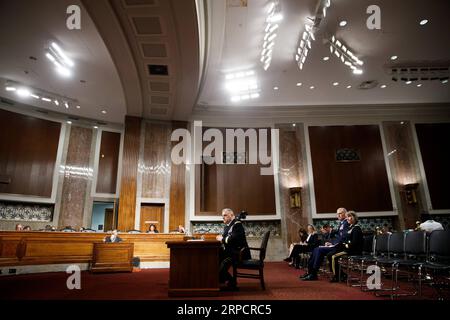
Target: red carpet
(282,283)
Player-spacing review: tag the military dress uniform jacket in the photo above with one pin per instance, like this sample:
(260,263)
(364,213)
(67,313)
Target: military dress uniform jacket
(354,242)
(233,239)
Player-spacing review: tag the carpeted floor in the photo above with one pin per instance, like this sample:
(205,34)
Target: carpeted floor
(151,284)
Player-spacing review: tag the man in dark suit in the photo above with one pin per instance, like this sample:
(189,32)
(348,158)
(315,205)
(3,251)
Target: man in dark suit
(233,240)
(113,238)
(330,248)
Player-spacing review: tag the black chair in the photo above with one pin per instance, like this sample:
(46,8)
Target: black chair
(437,265)
(360,263)
(410,265)
(134,231)
(252,264)
(348,263)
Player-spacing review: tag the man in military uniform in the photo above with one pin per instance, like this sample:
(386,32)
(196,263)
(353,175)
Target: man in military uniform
(233,240)
(329,249)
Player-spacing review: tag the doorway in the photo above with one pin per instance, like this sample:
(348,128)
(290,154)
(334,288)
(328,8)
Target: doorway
(152,214)
(103,216)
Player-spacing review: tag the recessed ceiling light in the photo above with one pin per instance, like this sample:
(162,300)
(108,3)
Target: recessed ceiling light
(335,83)
(343,23)
(95,127)
(419,85)
(57,102)
(46,99)
(383,86)
(348,87)
(293,124)
(104,111)
(445,81)
(78,107)
(275,88)
(394,57)
(402,122)
(357,71)
(298,84)
(408,82)
(423,22)
(10,89)
(326,58)
(69,122)
(66,105)
(35,96)
(312,87)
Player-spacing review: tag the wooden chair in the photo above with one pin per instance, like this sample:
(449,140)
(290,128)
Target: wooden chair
(252,264)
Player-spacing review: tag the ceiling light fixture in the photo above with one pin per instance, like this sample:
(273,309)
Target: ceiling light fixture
(104,111)
(419,85)
(423,22)
(242,85)
(383,86)
(69,122)
(39,94)
(274,16)
(326,58)
(275,88)
(348,87)
(394,57)
(299,84)
(343,23)
(345,55)
(312,87)
(60,60)
(95,127)
(335,84)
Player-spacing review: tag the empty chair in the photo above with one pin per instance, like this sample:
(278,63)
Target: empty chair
(414,256)
(252,264)
(437,265)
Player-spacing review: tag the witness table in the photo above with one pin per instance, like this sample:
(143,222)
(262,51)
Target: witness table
(194,268)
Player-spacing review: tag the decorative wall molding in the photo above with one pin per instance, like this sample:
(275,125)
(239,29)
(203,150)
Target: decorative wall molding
(253,229)
(366,224)
(26,212)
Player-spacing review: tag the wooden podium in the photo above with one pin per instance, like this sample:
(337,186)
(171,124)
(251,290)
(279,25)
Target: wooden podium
(112,257)
(194,268)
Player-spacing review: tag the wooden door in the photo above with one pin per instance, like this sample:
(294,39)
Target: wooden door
(109,219)
(152,214)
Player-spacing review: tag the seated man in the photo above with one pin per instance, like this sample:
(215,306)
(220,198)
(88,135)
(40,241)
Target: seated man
(233,240)
(113,237)
(316,259)
(328,234)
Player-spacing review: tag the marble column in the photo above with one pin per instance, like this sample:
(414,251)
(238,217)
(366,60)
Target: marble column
(404,167)
(293,173)
(77,175)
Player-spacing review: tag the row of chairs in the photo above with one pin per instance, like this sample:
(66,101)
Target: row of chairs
(414,255)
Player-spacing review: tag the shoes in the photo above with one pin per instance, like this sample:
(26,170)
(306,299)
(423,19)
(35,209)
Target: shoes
(291,264)
(287,259)
(310,277)
(304,276)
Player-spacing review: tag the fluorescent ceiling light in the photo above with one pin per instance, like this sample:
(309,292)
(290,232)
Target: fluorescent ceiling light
(23,92)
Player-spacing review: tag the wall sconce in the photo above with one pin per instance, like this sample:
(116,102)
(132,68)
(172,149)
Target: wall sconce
(410,192)
(295,197)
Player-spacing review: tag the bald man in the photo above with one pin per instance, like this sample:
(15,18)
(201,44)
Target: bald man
(233,240)
(330,248)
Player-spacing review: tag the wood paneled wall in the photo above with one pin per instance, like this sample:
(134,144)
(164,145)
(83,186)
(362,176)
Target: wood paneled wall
(235,186)
(177,188)
(28,150)
(130,159)
(434,147)
(108,162)
(362,185)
